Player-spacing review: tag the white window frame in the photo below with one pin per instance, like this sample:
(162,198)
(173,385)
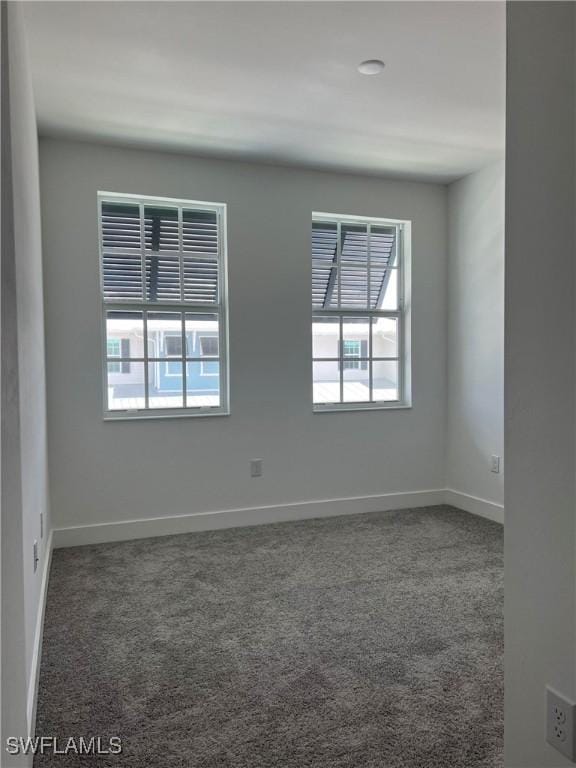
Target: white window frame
(143,305)
(402,314)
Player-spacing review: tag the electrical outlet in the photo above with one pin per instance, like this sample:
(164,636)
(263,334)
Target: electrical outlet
(560,720)
(256,468)
(35,555)
(495,465)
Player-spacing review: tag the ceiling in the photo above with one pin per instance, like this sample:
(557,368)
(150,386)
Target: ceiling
(277,81)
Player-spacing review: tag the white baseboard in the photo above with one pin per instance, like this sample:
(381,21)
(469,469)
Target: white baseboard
(475,505)
(231,518)
(32,697)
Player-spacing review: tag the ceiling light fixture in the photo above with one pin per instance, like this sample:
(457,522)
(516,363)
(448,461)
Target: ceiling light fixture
(371,67)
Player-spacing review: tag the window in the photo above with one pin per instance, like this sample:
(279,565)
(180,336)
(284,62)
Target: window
(209,352)
(163,292)
(359,312)
(119,348)
(354,354)
(114,350)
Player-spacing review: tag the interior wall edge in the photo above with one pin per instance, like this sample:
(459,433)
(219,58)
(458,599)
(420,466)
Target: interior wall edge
(32,698)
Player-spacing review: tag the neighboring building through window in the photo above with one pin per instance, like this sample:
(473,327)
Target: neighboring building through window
(355,355)
(164,293)
(119,348)
(359,325)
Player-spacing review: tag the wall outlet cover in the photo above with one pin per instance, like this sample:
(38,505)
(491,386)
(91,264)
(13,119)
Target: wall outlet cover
(560,719)
(256,468)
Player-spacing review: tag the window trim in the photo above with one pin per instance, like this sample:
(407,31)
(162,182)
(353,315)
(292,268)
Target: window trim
(402,313)
(220,309)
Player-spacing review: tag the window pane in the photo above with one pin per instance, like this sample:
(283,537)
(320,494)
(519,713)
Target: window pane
(356,334)
(202,384)
(125,334)
(384,381)
(384,289)
(125,391)
(200,280)
(324,287)
(384,337)
(121,251)
(161,229)
(200,234)
(354,286)
(202,333)
(354,239)
(165,384)
(326,382)
(165,334)
(324,242)
(209,346)
(382,246)
(356,383)
(326,337)
(162,277)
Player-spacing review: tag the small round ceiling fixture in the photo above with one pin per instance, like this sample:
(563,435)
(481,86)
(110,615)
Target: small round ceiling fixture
(371,67)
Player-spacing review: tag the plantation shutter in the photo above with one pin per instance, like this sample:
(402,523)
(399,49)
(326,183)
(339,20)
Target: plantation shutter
(364,258)
(180,254)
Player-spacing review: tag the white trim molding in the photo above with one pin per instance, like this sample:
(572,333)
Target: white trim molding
(475,505)
(32,697)
(231,518)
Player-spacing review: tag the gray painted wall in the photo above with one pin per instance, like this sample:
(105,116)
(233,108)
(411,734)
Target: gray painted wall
(539,374)
(117,471)
(24,458)
(476,334)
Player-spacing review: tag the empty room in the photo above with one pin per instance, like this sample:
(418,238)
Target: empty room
(260,363)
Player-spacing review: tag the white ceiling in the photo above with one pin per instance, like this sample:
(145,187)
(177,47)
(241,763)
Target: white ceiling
(278,80)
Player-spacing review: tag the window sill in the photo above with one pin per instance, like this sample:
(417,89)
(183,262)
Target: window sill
(160,414)
(349,407)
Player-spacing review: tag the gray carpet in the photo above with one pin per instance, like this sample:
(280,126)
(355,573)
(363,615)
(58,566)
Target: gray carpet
(366,641)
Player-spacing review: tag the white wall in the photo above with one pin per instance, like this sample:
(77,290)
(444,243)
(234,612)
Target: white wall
(539,374)
(476,334)
(24,463)
(125,470)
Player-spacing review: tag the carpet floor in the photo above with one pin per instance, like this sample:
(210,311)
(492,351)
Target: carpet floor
(365,641)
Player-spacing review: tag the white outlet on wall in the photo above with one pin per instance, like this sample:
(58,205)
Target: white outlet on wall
(256,468)
(560,717)
(495,464)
